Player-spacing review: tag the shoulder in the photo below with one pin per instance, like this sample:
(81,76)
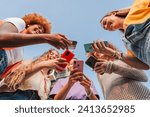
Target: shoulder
(17,22)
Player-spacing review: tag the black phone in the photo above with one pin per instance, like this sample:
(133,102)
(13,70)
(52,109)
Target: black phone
(91,61)
(73,44)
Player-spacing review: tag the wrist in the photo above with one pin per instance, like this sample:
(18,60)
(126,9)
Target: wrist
(69,85)
(43,38)
(89,92)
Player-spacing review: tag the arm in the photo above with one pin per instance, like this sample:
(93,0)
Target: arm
(17,40)
(126,71)
(19,75)
(100,47)
(89,88)
(135,62)
(74,77)
(63,92)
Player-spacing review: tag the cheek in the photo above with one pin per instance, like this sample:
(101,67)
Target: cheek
(30,31)
(115,26)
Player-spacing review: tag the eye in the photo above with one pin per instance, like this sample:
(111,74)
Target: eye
(104,22)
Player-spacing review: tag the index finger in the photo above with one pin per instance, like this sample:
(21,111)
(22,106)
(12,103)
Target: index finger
(61,59)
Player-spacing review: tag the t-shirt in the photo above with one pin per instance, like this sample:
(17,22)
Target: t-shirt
(77,91)
(139,12)
(16,54)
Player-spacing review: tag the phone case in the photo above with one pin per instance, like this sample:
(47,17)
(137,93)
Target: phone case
(79,65)
(91,61)
(68,55)
(88,47)
(73,44)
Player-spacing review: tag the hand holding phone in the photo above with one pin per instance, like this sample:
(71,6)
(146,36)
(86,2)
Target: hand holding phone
(91,61)
(78,64)
(88,47)
(68,55)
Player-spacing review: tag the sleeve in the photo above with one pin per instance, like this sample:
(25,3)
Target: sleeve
(18,22)
(127,71)
(55,89)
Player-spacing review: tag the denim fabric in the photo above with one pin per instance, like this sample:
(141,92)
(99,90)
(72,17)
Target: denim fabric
(137,40)
(3,61)
(20,95)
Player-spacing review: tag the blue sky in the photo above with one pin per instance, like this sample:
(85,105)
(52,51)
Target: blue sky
(77,19)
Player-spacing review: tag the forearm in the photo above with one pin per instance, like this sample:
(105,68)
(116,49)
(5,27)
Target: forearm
(93,97)
(32,69)
(61,95)
(128,72)
(135,62)
(17,40)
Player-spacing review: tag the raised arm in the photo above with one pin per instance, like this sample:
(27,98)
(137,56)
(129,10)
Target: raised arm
(134,62)
(17,40)
(24,72)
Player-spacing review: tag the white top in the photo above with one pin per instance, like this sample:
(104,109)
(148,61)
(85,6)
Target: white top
(18,22)
(16,54)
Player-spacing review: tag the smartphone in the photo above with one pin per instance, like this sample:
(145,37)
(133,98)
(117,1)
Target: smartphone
(73,44)
(78,64)
(91,61)
(68,55)
(88,47)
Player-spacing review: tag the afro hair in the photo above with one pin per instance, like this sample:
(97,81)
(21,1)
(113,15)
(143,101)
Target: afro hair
(33,18)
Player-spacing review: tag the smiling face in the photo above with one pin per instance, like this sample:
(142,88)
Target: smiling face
(112,23)
(35,29)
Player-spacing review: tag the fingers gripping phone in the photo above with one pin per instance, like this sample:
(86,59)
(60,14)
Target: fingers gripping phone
(88,47)
(68,55)
(91,61)
(78,64)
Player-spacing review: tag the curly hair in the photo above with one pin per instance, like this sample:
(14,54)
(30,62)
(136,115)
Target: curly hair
(34,18)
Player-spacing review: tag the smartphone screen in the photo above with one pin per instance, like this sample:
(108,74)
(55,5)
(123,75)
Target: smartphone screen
(79,65)
(91,61)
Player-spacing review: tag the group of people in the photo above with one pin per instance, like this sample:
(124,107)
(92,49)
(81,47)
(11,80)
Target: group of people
(119,74)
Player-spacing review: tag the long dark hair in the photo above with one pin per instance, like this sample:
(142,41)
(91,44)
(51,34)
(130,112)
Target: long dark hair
(122,13)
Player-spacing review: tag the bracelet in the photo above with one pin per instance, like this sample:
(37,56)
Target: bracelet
(90,94)
(118,55)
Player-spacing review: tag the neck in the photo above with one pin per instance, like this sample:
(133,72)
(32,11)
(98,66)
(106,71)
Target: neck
(121,21)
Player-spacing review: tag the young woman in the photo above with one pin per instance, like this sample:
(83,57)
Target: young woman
(118,80)
(75,87)
(35,26)
(135,23)
(31,77)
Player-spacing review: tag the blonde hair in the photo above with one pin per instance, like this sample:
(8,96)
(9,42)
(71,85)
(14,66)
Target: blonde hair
(14,79)
(45,56)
